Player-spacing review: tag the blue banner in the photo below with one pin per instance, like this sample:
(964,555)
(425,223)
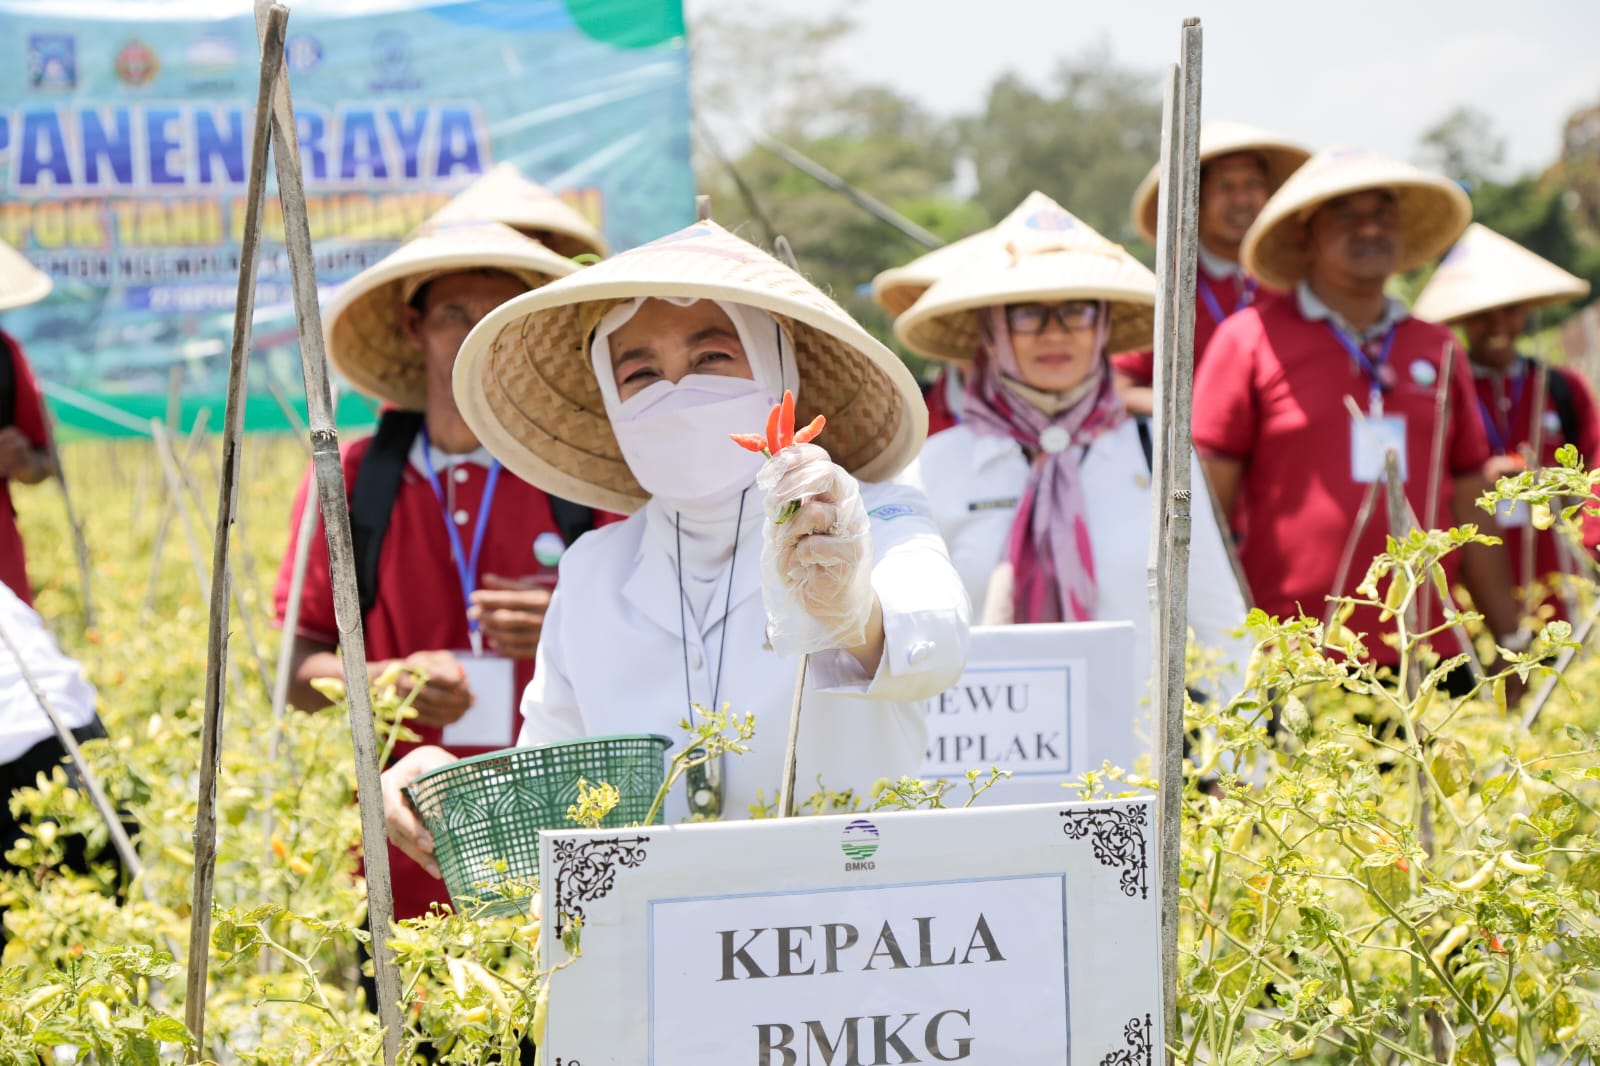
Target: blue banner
(125,131)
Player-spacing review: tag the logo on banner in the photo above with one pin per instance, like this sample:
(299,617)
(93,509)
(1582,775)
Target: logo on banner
(52,61)
(211,60)
(302,53)
(859,844)
(392,61)
(136,64)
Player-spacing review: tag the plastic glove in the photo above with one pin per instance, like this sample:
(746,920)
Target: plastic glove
(816,563)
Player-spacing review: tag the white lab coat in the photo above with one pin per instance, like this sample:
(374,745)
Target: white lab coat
(974,480)
(24,723)
(611,658)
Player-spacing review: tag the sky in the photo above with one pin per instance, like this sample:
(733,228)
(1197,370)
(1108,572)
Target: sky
(1361,72)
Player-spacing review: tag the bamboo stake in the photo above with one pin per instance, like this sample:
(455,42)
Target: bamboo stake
(291,620)
(1580,637)
(1430,503)
(791,751)
(91,784)
(246,614)
(1347,557)
(169,503)
(341,559)
(297,425)
(80,543)
(1400,526)
(1176,239)
(205,828)
(1530,535)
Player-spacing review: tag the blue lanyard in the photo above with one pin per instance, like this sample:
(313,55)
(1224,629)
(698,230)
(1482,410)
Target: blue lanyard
(1247,293)
(1500,431)
(1372,368)
(466,565)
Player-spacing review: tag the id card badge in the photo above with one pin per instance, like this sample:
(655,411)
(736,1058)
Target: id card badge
(1371,439)
(1511,514)
(487,722)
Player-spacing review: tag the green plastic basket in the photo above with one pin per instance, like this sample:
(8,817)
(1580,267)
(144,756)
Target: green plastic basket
(485,812)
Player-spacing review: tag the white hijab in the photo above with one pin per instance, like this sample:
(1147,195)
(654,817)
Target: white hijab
(674,437)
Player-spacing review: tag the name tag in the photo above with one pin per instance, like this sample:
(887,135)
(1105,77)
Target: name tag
(1511,514)
(487,722)
(1371,439)
(993,505)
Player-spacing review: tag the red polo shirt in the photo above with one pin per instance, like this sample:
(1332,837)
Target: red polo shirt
(1272,396)
(420,605)
(942,412)
(1230,295)
(1505,403)
(29,419)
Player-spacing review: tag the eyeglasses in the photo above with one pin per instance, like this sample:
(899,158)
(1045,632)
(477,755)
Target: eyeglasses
(1029,319)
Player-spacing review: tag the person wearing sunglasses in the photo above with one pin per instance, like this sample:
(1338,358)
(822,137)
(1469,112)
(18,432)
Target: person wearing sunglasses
(1043,492)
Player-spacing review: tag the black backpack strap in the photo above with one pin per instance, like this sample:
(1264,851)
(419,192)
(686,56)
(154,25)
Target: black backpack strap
(8,379)
(1559,390)
(376,488)
(573,520)
(1142,423)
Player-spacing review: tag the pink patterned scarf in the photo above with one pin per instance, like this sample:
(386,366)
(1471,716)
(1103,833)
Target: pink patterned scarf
(1051,558)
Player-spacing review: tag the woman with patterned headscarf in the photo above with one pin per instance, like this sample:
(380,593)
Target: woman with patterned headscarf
(1043,492)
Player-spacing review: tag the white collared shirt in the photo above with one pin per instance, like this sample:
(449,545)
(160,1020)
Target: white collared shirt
(60,677)
(1218,267)
(613,657)
(975,481)
(1312,307)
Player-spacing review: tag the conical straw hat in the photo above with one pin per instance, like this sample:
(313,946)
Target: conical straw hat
(504,195)
(362,323)
(525,384)
(1484,271)
(1433,212)
(21,283)
(897,288)
(1045,254)
(1218,139)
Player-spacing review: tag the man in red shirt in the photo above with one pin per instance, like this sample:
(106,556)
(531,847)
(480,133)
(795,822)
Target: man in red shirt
(1240,167)
(1487,285)
(25,452)
(468,555)
(1286,456)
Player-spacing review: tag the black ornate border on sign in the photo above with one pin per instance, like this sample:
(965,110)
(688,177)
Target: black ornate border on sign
(586,870)
(1118,839)
(1139,1052)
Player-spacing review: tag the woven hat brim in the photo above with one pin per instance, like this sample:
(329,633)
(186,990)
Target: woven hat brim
(897,288)
(362,322)
(944,323)
(1433,213)
(21,283)
(1282,159)
(503,195)
(525,384)
(1485,271)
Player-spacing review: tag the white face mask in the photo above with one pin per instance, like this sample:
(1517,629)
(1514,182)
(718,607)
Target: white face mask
(675,437)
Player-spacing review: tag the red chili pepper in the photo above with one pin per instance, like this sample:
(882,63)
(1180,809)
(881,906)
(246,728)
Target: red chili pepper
(772,429)
(786,421)
(780,430)
(811,432)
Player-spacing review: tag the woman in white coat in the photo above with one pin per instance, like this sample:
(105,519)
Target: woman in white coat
(620,391)
(1043,492)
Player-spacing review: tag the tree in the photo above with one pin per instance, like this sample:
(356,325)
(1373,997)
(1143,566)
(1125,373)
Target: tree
(1086,142)
(1464,145)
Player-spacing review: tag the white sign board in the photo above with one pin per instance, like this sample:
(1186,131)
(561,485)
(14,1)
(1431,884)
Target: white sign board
(983,936)
(1045,702)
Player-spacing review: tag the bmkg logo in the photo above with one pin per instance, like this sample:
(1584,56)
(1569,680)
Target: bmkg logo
(859,844)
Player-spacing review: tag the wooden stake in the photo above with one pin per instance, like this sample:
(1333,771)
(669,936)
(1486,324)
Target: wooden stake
(1430,503)
(791,750)
(205,827)
(1176,240)
(341,561)
(1530,591)
(1580,637)
(80,543)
